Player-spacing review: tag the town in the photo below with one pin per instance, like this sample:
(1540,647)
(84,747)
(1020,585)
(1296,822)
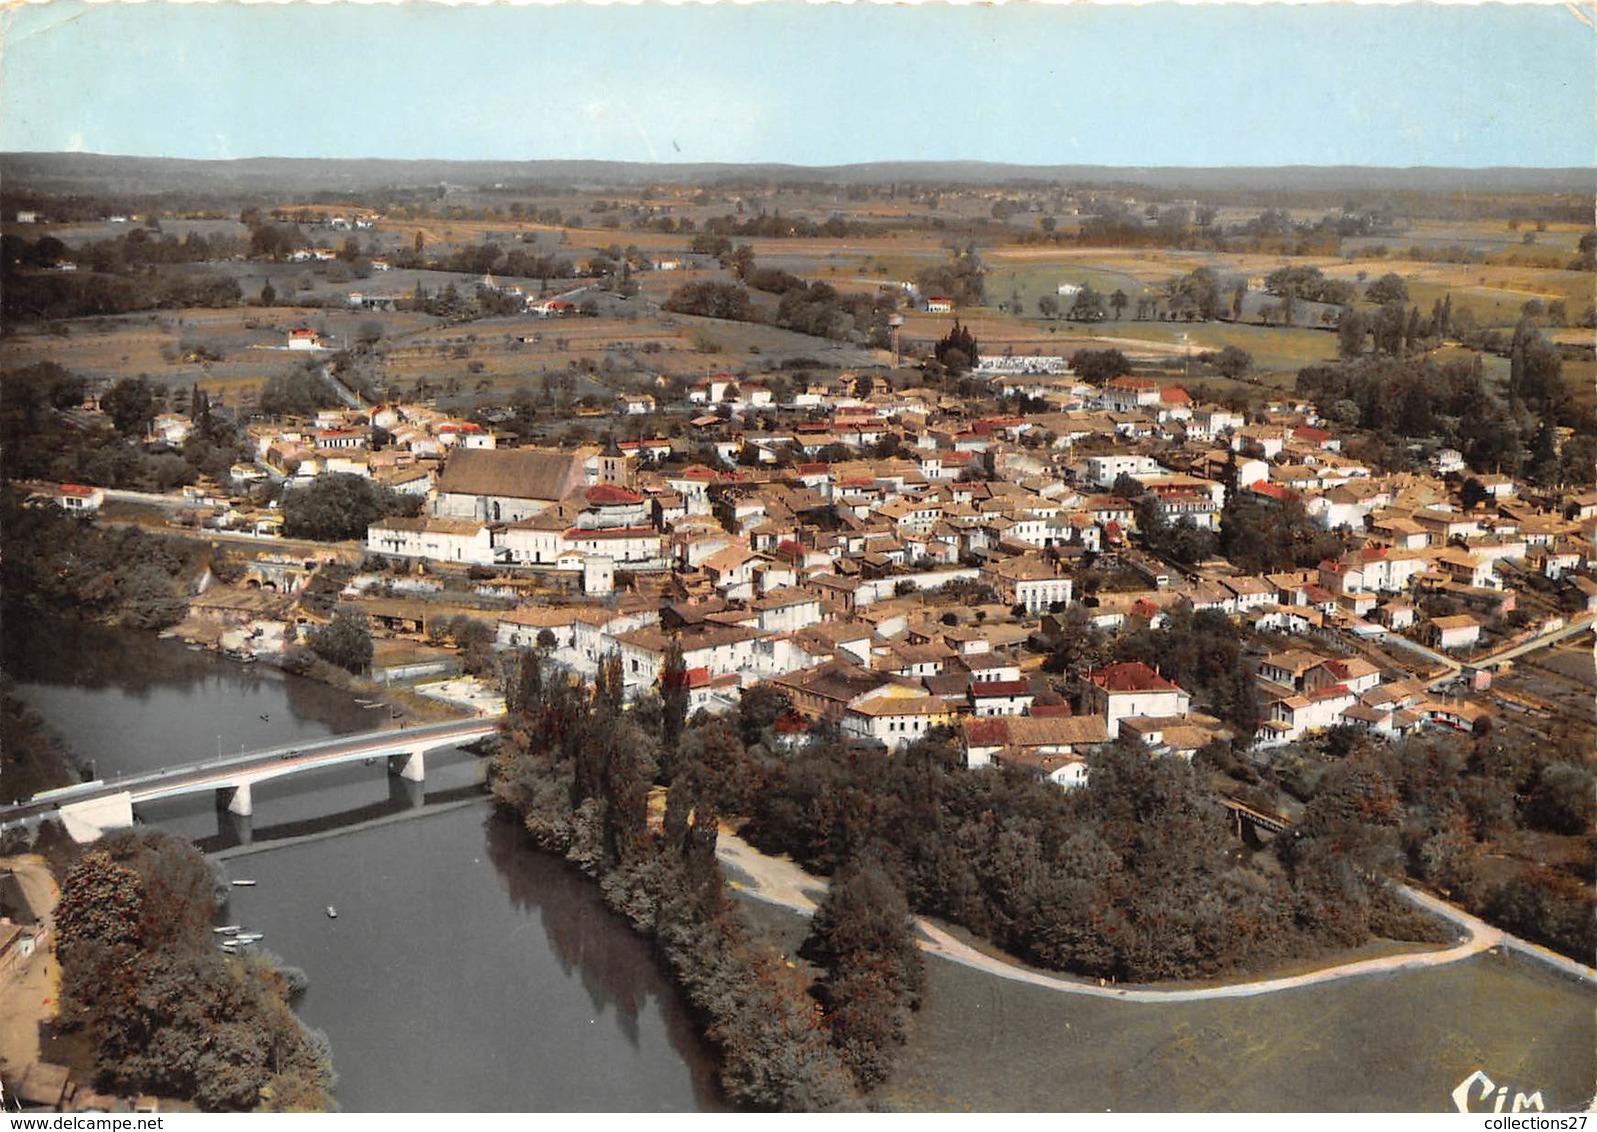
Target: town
(1291,505)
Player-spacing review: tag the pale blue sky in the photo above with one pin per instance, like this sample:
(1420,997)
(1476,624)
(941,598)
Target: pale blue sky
(1333,84)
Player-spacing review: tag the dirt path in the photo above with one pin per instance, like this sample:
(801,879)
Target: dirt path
(778,880)
(29,993)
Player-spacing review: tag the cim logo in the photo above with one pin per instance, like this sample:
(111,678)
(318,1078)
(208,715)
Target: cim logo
(1497,1094)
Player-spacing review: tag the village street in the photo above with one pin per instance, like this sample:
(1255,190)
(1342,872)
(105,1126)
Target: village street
(29,990)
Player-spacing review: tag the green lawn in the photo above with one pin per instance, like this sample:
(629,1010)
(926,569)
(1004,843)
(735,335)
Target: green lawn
(1387,1043)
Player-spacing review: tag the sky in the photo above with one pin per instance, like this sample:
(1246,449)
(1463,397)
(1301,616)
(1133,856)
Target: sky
(809,84)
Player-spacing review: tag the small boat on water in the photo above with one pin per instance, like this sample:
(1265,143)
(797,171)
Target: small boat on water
(227,929)
(249,937)
(332,913)
(243,884)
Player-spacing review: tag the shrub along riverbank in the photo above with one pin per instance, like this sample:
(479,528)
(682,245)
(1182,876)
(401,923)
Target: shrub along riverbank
(577,771)
(165,1011)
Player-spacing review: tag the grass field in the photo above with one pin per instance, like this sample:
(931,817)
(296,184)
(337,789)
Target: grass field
(1389,1043)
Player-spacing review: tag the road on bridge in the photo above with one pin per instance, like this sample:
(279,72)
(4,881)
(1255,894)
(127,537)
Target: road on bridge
(224,771)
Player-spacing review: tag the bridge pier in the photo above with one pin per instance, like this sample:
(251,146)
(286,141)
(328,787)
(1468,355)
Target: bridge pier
(406,793)
(237,799)
(235,829)
(411,765)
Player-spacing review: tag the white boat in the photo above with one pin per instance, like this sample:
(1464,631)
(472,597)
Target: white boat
(243,884)
(228,929)
(332,913)
(249,937)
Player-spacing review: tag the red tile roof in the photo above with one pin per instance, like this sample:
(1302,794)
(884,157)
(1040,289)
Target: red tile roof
(1133,676)
(1000,688)
(609,495)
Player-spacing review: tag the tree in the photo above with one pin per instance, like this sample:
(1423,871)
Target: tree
(863,936)
(336,507)
(1098,366)
(674,694)
(1472,493)
(712,300)
(739,261)
(1564,800)
(1389,288)
(130,404)
(346,641)
(1118,301)
(957,350)
(1088,307)
(475,640)
(1048,306)
(101,903)
(1231,362)
(268,294)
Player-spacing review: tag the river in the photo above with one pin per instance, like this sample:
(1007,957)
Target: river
(464,971)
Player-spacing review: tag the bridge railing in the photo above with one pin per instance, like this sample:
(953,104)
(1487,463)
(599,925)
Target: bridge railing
(333,744)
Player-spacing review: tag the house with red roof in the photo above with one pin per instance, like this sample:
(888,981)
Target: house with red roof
(1117,691)
(1000,697)
(75,498)
(1128,394)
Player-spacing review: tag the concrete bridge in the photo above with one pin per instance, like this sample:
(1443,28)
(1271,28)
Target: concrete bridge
(93,808)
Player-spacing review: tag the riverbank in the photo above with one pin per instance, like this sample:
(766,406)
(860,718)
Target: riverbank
(465,971)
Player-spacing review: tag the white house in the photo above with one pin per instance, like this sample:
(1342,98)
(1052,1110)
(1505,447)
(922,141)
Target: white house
(894,717)
(443,540)
(1117,691)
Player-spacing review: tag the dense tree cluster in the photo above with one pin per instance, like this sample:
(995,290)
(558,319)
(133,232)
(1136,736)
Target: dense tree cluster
(166,1012)
(1310,285)
(1133,877)
(774,224)
(958,350)
(1442,805)
(577,772)
(112,277)
(1099,366)
(821,310)
(57,562)
(864,939)
(32,758)
(298,392)
(1452,404)
(43,443)
(345,641)
(1196,293)
(961,278)
(336,506)
(1264,536)
(712,300)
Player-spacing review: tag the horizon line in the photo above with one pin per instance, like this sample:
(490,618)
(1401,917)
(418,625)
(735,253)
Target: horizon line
(785,164)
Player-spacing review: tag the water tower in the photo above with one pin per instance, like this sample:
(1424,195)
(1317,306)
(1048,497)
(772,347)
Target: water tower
(893,325)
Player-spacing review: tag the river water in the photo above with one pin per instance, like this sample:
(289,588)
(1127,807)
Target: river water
(464,971)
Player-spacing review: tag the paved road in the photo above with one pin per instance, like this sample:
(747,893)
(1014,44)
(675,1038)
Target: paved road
(1578,625)
(30,991)
(780,881)
(226,769)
